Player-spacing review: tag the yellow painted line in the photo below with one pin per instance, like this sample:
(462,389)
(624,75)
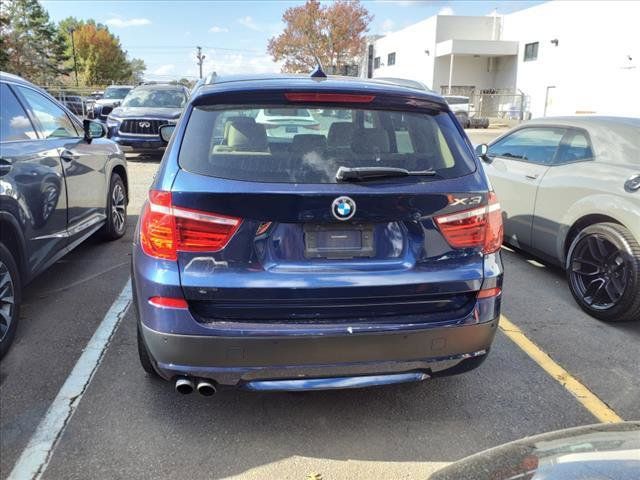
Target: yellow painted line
(586,397)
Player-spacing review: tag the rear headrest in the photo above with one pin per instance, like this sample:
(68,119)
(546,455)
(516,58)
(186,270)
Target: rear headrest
(243,133)
(370,140)
(308,142)
(340,134)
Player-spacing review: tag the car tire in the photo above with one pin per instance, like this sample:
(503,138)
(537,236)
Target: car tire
(116,223)
(145,358)
(603,271)
(10,293)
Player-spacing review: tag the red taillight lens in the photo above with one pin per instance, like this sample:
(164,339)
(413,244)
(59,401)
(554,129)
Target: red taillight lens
(477,227)
(167,302)
(166,230)
(202,231)
(495,230)
(158,227)
(329,97)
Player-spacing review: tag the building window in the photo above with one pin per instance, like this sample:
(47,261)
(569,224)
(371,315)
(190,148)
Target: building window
(531,51)
(376,62)
(391,59)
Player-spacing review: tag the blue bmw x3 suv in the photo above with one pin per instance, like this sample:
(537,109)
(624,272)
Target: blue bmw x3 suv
(359,249)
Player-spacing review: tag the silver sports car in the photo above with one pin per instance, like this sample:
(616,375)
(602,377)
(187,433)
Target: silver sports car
(570,193)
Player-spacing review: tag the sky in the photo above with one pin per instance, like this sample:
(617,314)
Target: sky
(233,34)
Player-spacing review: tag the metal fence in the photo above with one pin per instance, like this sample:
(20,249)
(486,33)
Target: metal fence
(501,106)
(79,100)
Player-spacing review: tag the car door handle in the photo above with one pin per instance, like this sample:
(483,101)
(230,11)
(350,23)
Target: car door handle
(68,156)
(531,176)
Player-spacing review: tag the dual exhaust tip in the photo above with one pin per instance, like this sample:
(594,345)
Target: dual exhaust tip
(185,386)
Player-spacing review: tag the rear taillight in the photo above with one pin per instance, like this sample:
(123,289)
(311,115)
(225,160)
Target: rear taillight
(478,227)
(158,227)
(166,230)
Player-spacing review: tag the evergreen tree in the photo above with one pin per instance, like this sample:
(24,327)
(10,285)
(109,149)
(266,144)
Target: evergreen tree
(33,45)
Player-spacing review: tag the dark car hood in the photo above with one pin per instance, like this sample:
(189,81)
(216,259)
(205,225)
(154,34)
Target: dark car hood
(594,452)
(145,112)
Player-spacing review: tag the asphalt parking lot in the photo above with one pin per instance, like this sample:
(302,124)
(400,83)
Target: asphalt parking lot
(126,425)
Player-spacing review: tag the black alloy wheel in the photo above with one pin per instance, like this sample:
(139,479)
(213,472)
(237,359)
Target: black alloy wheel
(116,209)
(9,299)
(603,269)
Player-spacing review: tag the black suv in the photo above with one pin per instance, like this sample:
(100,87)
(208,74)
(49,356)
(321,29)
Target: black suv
(60,182)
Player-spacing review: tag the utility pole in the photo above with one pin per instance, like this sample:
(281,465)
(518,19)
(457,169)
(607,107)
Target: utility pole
(200,58)
(73,47)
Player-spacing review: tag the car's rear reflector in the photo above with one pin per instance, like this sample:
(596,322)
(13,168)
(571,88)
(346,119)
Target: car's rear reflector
(168,302)
(328,97)
(489,292)
(166,230)
(478,227)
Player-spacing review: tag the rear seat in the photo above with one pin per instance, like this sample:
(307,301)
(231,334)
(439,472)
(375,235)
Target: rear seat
(307,142)
(370,140)
(243,134)
(340,135)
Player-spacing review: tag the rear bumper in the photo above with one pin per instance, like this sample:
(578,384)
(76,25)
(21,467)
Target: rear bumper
(245,354)
(245,361)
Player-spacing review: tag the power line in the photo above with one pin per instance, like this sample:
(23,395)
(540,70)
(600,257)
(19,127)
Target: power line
(189,47)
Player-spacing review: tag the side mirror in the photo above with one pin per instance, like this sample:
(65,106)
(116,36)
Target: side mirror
(166,131)
(93,130)
(482,151)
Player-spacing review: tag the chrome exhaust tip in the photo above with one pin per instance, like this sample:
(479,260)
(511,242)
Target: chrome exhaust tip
(184,385)
(206,388)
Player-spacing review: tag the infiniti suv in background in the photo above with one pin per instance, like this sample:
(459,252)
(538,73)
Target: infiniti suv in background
(60,181)
(365,251)
(135,124)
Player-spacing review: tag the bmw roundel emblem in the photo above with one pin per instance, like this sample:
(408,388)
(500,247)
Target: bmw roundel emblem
(343,208)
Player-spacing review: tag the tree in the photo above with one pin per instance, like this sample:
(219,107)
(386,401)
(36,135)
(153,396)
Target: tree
(138,68)
(333,34)
(4,45)
(99,54)
(186,82)
(33,47)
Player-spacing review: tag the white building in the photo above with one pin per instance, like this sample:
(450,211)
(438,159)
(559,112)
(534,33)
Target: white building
(566,57)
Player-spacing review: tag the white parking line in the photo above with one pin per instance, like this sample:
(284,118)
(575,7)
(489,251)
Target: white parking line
(34,459)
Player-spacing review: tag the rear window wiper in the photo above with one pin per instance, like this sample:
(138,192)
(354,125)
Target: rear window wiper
(347,174)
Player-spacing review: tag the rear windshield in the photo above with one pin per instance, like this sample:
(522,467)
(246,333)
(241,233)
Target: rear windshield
(271,145)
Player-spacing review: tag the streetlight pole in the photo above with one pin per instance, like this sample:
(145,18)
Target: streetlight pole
(200,58)
(73,47)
